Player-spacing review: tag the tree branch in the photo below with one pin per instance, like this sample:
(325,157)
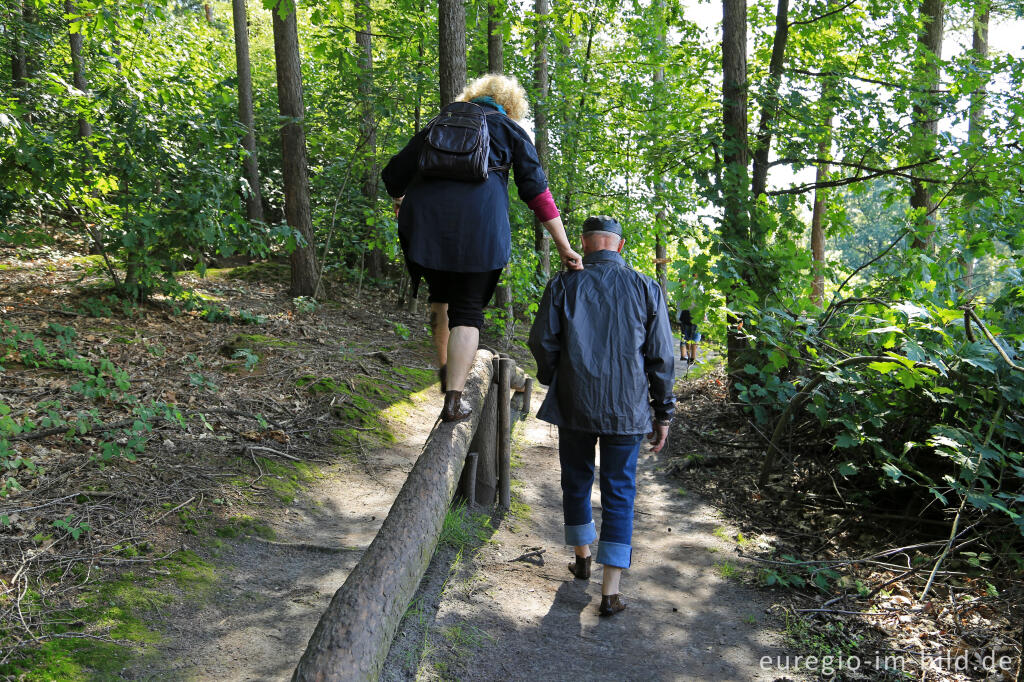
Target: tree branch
(804,22)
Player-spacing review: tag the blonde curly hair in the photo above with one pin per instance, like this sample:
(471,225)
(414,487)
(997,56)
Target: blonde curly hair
(505,90)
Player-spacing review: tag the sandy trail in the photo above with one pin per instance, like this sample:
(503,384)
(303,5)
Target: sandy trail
(269,596)
(530,620)
(517,620)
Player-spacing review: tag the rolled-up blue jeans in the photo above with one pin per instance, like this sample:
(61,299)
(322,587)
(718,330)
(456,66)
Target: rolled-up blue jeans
(618,491)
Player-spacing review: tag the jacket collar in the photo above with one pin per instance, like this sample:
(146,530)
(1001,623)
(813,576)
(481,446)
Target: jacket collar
(604,256)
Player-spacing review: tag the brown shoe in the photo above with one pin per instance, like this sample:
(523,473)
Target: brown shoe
(455,408)
(581,568)
(610,605)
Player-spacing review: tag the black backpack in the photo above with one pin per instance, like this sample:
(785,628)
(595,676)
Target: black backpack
(458,144)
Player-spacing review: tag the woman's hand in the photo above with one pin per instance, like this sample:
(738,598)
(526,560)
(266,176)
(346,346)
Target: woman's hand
(570,259)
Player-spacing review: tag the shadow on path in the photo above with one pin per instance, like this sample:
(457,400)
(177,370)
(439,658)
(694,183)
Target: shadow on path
(686,618)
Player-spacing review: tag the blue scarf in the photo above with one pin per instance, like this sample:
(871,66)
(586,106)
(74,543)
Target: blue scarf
(487,99)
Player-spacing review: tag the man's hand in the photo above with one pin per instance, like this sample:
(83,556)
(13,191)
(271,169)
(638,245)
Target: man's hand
(397,203)
(658,437)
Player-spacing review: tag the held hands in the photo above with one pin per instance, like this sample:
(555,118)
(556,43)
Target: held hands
(658,437)
(570,259)
(397,204)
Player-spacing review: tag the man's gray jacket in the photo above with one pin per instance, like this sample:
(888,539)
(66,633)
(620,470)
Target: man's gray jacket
(603,344)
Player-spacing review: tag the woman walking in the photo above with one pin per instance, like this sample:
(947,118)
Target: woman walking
(455,233)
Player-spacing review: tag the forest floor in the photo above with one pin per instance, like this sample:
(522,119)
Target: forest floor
(209,550)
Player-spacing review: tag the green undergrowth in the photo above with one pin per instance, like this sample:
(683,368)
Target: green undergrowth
(243,525)
(464,529)
(366,405)
(707,364)
(250,350)
(123,607)
(286,479)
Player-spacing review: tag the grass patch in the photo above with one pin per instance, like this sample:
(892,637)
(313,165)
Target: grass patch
(464,529)
(820,639)
(463,638)
(121,608)
(729,570)
(285,480)
(243,525)
(259,272)
(257,340)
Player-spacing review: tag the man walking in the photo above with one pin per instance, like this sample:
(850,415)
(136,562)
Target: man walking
(603,344)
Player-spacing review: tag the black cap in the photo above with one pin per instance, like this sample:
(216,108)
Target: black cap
(602,223)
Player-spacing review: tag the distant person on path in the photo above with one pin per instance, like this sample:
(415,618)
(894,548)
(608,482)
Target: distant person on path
(455,233)
(688,329)
(603,344)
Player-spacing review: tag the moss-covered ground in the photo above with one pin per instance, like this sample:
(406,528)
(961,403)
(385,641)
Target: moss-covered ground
(114,623)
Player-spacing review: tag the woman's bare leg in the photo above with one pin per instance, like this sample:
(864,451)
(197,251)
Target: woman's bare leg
(462,345)
(439,327)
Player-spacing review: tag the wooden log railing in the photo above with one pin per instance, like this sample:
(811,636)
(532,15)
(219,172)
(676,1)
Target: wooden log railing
(352,639)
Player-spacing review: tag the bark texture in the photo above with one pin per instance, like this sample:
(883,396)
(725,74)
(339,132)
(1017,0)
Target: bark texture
(18,64)
(541,240)
(818,216)
(485,442)
(926,116)
(451,48)
(505,431)
(368,129)
(660,221)
(771,100)
(495,38)
(295,169)
(734,118)
(977,126)
(254,200)
(78,70)
(352,638)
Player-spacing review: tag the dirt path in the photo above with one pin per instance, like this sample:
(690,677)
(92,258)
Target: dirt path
(500,618)
(485,616)
(270,594)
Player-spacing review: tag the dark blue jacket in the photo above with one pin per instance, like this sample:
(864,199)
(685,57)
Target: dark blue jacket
(463,226)
(603,344)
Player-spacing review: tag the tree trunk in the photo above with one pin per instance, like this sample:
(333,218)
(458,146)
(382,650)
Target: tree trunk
(925,127)
(660,246)
(78,70)
(18,64)
(977,126)
(451,48)
(735,217)
(254,199)
(294,169)
(420,49)
(771,102)
(368,132)
(541,240)
(495,37)
(209,13)
(817,218)
(495,64)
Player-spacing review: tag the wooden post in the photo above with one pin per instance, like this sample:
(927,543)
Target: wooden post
(486,446)
(527,396)
(352,638)
(467,484)
(505,432)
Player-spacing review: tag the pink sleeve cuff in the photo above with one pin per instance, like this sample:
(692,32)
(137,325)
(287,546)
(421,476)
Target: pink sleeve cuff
(543,206)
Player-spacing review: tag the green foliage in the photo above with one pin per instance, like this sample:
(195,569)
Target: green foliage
(464,529)
(96,380)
